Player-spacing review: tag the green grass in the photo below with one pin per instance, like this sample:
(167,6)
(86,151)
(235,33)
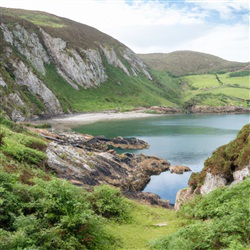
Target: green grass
(206,81)
(43,20)
(241,81)
(141,230)
(206,90)
(240,93)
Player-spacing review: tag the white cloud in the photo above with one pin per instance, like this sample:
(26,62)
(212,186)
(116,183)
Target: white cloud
(225,8)
(159,26)
(216,42)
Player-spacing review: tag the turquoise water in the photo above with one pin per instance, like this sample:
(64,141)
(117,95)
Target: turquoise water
(181,139)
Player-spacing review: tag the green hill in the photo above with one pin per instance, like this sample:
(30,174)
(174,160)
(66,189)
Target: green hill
(180,63)
(202,79)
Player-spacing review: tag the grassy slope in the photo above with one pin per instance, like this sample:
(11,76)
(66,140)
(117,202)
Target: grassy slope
(207,90)
(180,63)
(220,221)
(118,92)
(141,230)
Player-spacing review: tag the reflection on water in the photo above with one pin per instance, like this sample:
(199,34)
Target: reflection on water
(181,139)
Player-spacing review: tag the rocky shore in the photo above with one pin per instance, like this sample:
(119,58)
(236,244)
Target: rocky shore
(217,109)
(88,161)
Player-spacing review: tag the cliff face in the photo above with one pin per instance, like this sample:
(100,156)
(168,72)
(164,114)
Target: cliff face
(29,48)
(229,164)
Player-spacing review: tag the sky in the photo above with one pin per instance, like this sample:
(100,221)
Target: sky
(218,27)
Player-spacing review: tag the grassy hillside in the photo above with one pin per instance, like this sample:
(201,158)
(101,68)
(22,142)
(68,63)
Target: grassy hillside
(201,79)
(119,92)
(76,34)
(180,63)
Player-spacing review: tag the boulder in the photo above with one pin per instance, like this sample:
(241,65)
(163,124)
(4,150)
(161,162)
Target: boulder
(179,169)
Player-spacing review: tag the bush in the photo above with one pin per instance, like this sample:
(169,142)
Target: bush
(224,221)
(109,202)
(48,215)
(23,147)
(240,73)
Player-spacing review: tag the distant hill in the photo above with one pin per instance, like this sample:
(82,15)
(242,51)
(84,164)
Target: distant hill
(180,63)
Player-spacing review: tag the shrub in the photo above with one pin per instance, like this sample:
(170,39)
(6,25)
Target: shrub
(48,215)
(109,202)
(224,221)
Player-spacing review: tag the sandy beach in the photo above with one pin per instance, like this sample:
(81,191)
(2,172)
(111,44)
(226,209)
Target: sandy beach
(70,121)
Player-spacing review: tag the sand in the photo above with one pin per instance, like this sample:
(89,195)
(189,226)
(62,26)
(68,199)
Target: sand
(70,121)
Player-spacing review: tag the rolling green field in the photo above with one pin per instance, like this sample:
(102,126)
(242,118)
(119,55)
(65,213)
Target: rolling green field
(216,90)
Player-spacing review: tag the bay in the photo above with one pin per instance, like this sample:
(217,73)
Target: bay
(183,139)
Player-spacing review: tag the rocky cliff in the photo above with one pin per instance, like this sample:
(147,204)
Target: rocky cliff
(41,53)
(229,164)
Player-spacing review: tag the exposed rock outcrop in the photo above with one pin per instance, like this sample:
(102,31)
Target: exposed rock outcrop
(54,55)
(28,44)
(215,181)
(183,196)
(218,109)
(147,198)
(212,182)
(179,169)
(164,110)
(87,72)
(71,157)
(25,77)
(101,142)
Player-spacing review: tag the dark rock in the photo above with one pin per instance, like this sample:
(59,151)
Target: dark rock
(147,198)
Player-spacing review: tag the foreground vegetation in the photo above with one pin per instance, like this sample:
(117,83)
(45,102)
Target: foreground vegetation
(39,211)
(220,220)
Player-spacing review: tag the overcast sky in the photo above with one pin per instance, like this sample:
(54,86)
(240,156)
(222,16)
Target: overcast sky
(216,27)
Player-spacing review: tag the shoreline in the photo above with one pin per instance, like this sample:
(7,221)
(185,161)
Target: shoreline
(66,122)
(73,120)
